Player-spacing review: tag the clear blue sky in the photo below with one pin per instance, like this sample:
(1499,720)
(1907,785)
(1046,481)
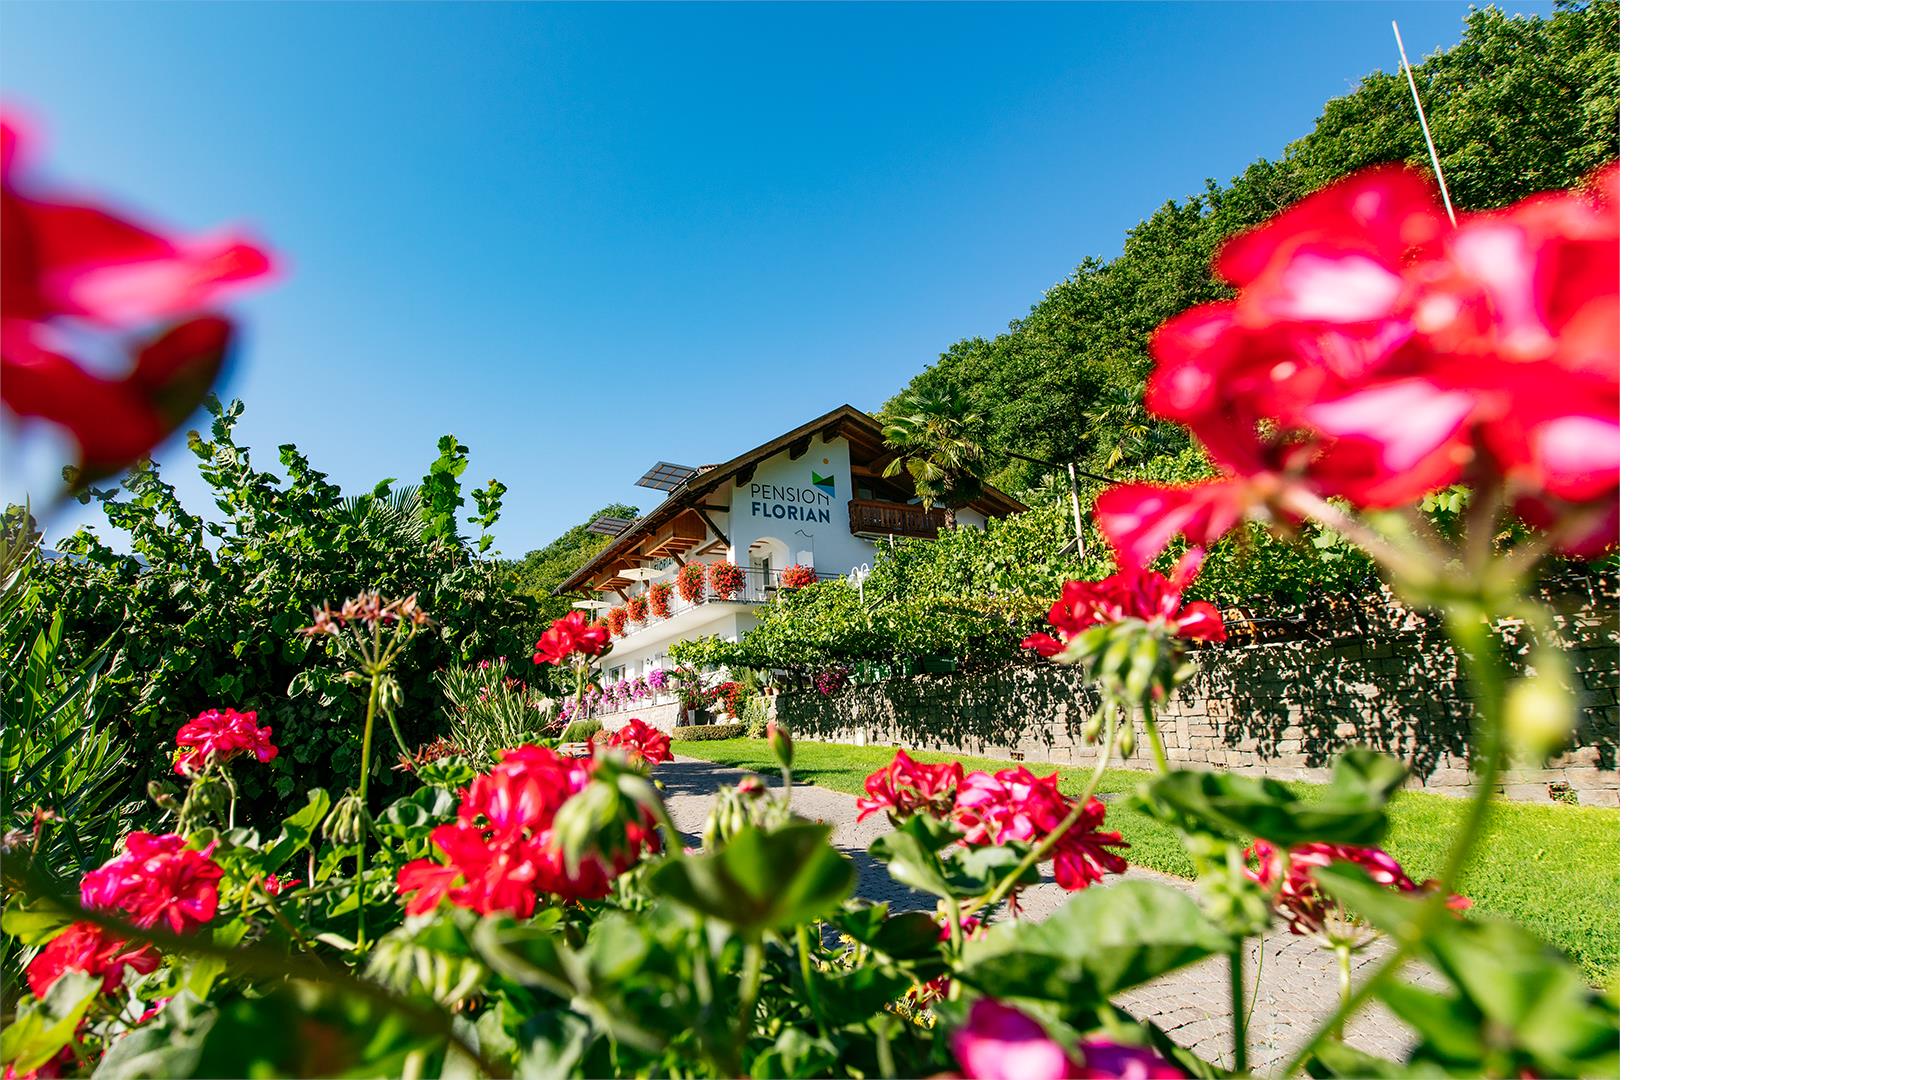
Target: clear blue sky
(587,237)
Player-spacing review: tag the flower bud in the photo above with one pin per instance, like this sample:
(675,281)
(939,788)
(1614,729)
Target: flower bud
(780,743)
(1540,717)
(166,796)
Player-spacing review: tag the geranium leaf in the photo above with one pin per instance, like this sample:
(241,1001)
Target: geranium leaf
(762,879)
(1099,943)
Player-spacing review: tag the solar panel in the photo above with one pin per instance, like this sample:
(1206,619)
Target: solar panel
(665,476)
(609,526)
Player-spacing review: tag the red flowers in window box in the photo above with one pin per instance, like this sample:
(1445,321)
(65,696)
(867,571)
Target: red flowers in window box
(729,695)
(906,787)
(1129,594)
(659,599)
(70,264)
(617,621)
(501,852)
(797,577)
(692,582)
(636,608)
(726,580)
(1375,354)
(218,736)
(571,634)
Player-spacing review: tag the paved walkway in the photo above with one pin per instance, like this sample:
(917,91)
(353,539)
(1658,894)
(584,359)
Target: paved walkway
(1297,985)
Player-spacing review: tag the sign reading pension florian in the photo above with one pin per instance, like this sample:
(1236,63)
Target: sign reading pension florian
(793,502)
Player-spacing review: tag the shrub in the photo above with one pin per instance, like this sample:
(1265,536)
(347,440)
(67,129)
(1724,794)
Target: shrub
(581,731)
(487,710)
(692,582)
(797,577)
(726,579)
(659,599)
(708,732)
(206,610)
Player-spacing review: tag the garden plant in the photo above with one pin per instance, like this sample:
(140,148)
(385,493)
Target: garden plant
(504,909)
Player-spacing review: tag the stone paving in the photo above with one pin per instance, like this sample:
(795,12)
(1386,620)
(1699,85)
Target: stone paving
(1297,982)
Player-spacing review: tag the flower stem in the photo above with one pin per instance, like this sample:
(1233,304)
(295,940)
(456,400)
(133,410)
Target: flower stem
(1472,638)
(1343,955)
(1237,986)
(360,845)
(1153,738)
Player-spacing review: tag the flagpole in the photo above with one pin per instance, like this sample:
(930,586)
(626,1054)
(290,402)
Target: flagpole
(1432,154)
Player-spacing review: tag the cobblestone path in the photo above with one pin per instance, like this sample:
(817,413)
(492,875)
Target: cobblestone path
(1296,985)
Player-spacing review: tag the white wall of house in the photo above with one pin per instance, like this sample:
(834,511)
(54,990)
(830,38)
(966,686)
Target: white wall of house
(797,520)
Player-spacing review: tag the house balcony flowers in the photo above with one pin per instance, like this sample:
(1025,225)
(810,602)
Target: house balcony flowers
(693,582)
(726,580)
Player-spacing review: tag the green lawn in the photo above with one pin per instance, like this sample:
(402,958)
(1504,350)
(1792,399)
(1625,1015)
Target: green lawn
(1555,869)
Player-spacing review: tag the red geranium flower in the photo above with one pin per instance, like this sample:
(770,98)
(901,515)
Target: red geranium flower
(501,853)
(640,740)
(1374,353)
(64,260)
(157,879)
(905,787)
(1015,805)
(570,634)
(87,948)
(1129,594)
(218,736)
(1308,911)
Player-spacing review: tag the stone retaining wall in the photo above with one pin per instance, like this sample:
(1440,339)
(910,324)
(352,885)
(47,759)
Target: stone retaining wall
(1281,709)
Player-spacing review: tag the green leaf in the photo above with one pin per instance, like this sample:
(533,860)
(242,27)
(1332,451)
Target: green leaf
(527,955)
(762,879)
(553,1042)
(41,1028)
(911,852)
(1099,943)
(910,935)
(297,830)
(1449,1028)
(1352,811)
(34,923)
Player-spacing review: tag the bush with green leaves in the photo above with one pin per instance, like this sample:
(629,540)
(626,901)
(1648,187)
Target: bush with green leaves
(205,611)
(487,710)
(708,732)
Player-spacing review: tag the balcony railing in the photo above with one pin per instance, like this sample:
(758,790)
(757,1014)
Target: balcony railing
(873,517)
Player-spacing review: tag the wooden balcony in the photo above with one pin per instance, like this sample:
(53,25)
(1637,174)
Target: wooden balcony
(872,517)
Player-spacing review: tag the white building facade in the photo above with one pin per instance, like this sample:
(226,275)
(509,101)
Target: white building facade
(814,497)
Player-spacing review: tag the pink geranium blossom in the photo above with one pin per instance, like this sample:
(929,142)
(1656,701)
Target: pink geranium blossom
(88,949)
(999,1042)
(156,880)
(1308,911)
(218,736)
(905,787)
(1014,805)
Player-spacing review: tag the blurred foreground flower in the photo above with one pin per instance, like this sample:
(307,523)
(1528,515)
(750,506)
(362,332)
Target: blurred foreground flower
(74,274)
(1375,355)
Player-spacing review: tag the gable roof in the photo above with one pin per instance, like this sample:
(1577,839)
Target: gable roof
(856,426)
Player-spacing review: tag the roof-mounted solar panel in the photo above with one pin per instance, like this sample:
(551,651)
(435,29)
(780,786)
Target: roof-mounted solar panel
(609,525)
(666,476)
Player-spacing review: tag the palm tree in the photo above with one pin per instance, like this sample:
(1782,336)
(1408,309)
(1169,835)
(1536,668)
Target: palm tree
(933,430)
(1121,411)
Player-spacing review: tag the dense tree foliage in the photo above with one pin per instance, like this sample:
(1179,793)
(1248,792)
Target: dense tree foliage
(205,612)
(541,570)
(1519,105)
